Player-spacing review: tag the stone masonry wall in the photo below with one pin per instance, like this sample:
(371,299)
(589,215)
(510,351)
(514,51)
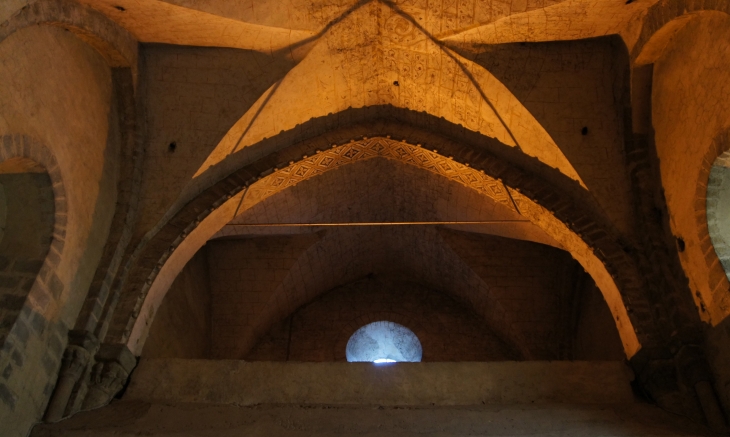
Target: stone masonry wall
(28,216)
(690,117)
(182,324)
(193,96)
(447,329)
(689,110)
(540,287)
(567,86)
(243,274)
(57,92)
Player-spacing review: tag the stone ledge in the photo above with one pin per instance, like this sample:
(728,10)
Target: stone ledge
(407,384)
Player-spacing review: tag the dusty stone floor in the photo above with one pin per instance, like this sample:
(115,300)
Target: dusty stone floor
(135,418)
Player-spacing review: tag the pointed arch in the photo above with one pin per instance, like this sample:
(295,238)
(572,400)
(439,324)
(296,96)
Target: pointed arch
(587,238)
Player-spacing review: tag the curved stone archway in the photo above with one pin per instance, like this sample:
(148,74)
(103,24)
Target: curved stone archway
(230,203)
(113,43)
(669,42)
(662,22)
(712,201)
(429,78)
(718,208)
(31,290)
(23,154)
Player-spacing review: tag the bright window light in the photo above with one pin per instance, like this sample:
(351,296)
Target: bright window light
(384,342)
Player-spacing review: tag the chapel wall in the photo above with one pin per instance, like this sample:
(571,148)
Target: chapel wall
(568,86)
(690,112)
(56,101)
(193,96)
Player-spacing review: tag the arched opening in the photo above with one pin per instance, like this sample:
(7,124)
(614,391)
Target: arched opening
(503,289)
(384,342)
(26,231)
(378,150)
(718,209)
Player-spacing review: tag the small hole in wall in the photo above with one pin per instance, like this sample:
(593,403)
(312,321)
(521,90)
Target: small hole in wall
(628,2)
(396,83)
(172,147)
(680,244)
(703,308)
(120,8)
(584,131)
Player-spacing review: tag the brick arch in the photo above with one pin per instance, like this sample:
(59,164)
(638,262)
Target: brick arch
(47,285)
(707,196)
(19,153)
(112,42)
(664,19)
(572,220)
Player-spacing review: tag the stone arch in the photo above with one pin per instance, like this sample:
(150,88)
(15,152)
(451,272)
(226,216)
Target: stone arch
(688,211)
(587,236)
(113,43)
(662,22)
(37,284)
(718,190)
(711,195)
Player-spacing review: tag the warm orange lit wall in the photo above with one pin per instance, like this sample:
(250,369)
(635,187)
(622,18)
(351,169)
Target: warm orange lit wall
(192,96)
(689,110)
(569,85)
(57,90)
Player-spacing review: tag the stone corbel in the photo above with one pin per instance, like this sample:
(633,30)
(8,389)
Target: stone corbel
(681,384)
(76,358)
(114,364)
(695,369)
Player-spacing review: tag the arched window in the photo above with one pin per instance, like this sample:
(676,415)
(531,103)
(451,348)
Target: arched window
(26,231)
(384,342)
(718,209)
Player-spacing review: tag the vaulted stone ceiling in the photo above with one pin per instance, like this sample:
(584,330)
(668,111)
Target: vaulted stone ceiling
(431,57)
(305,73)
(379,190)
(585,125)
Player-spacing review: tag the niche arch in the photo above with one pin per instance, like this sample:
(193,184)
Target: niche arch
(34,202)
(708,283)
(229,203)
(718,209)
(711,208)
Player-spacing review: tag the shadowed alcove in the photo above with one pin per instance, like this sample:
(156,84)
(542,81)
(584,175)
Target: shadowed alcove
(26,231)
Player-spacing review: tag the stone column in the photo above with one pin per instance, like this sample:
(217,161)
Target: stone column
(81,347)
